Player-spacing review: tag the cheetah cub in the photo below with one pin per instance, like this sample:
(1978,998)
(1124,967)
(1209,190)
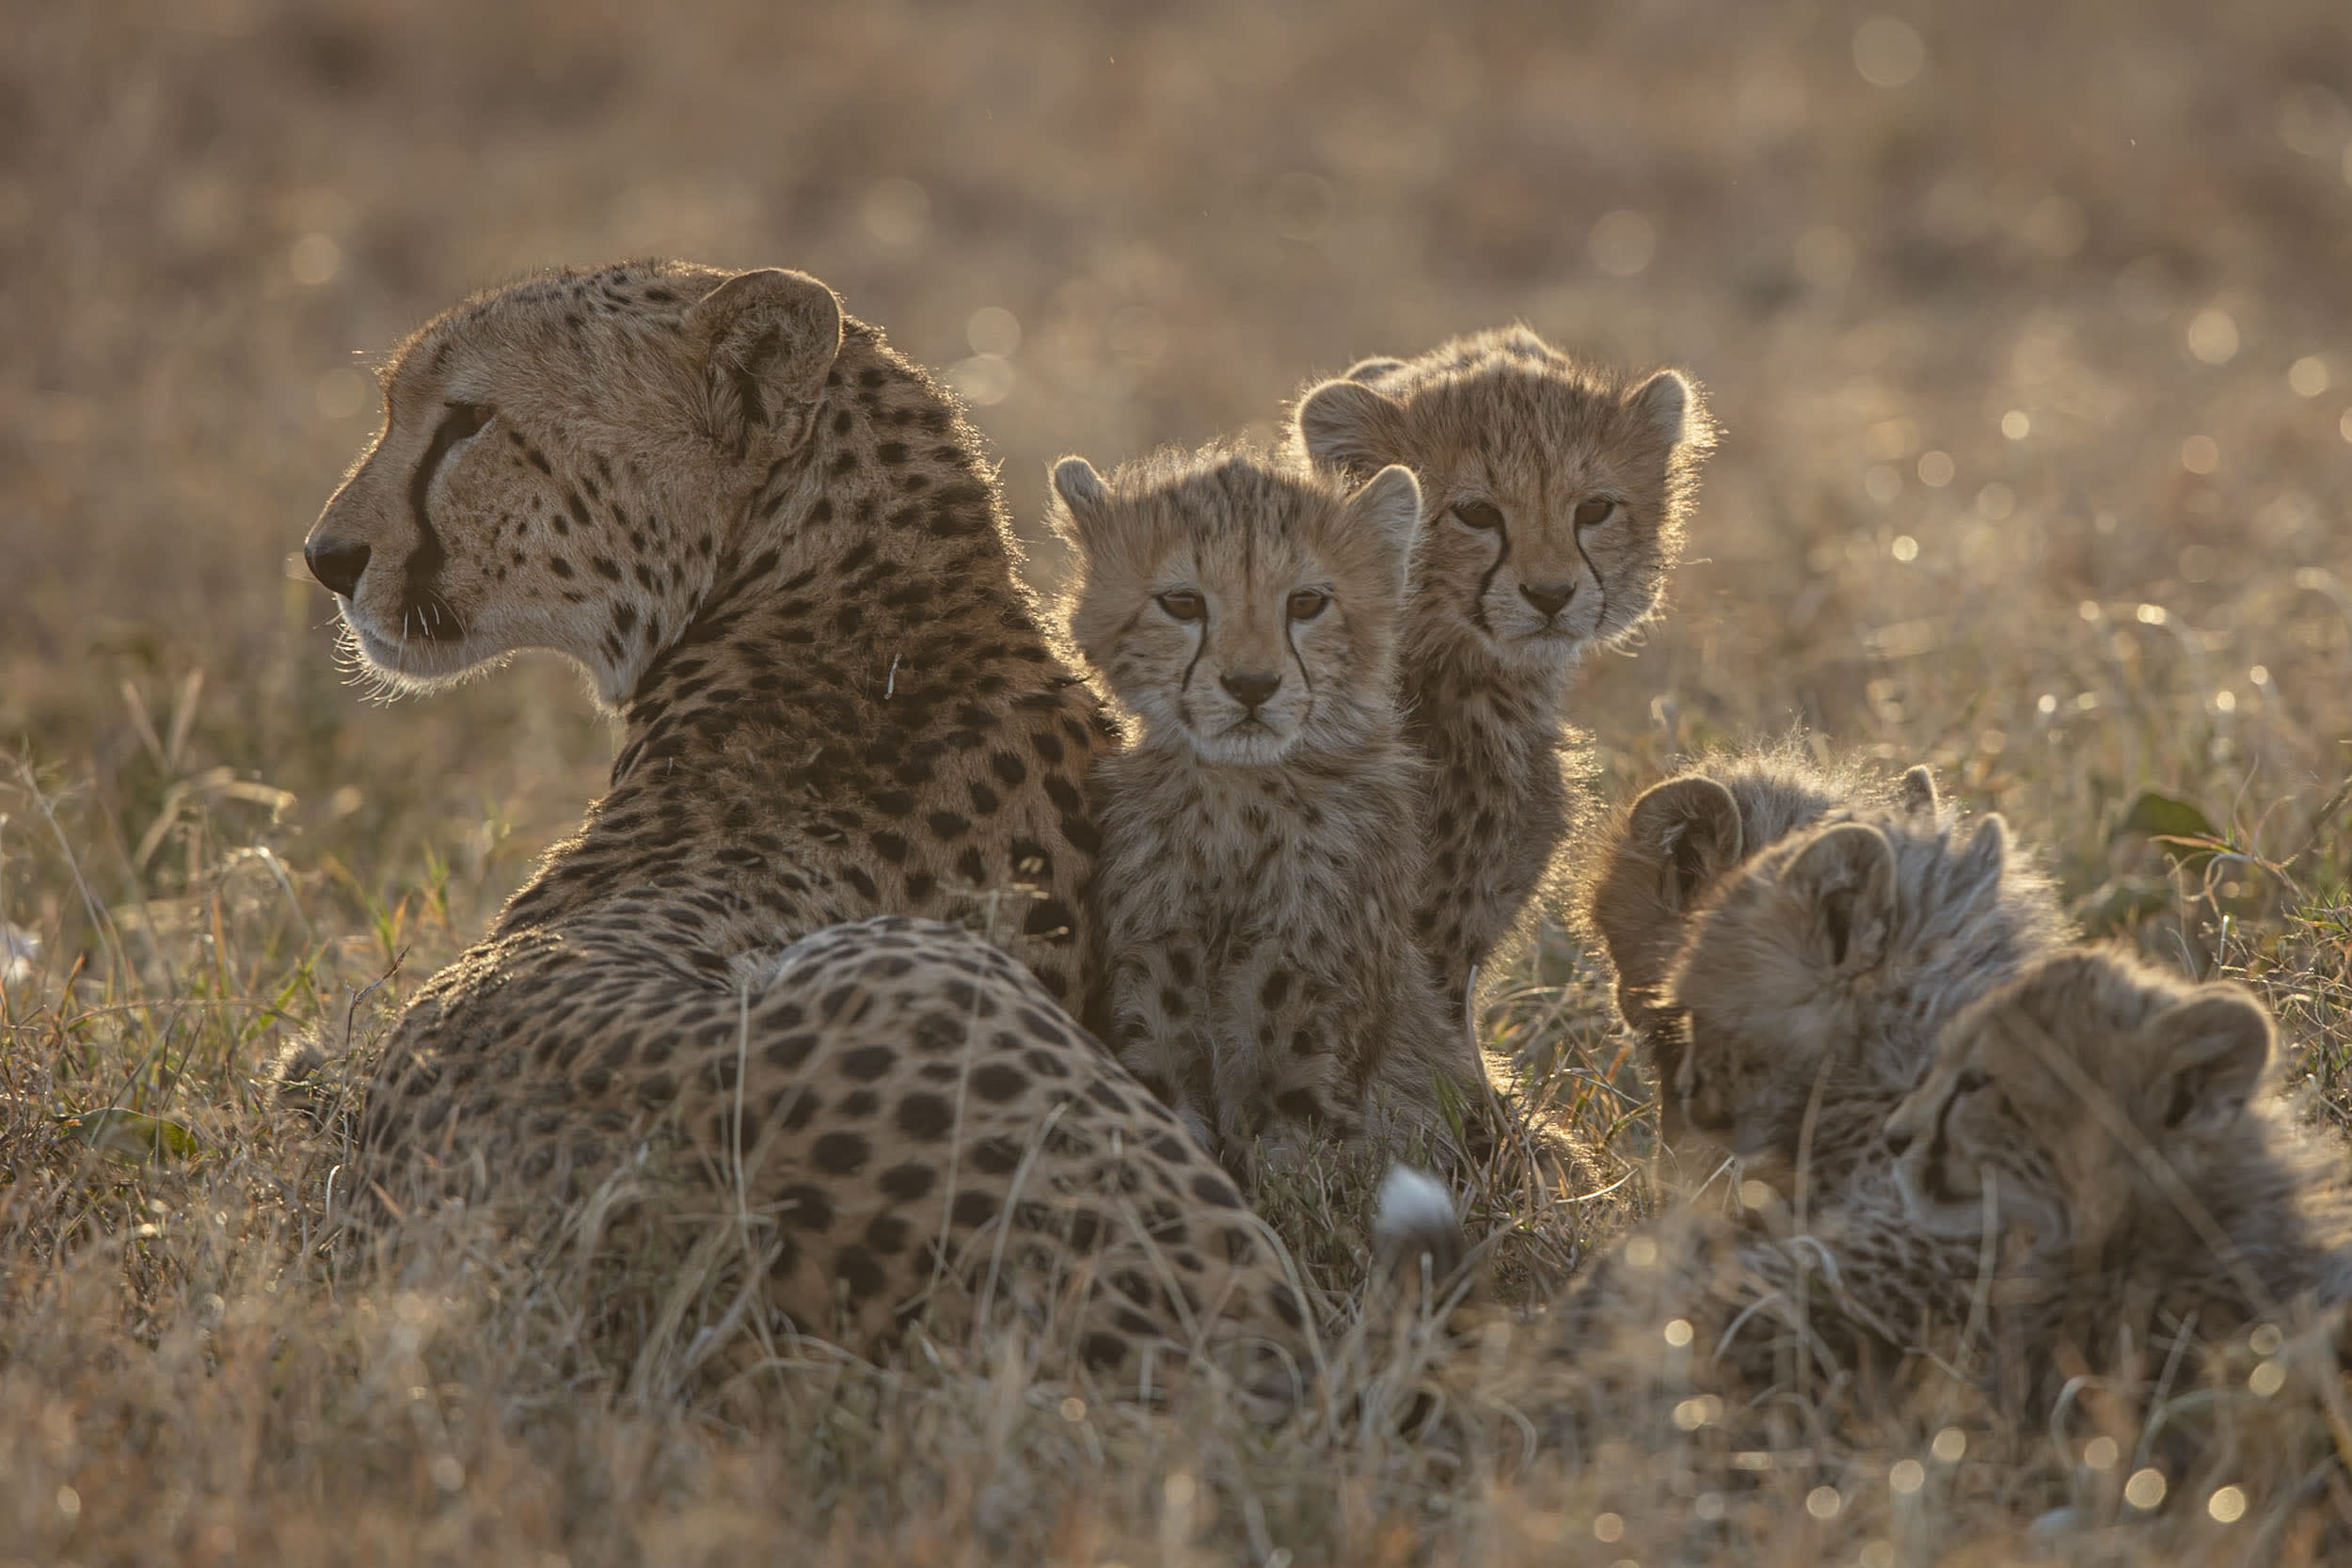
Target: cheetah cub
(1258,862)
(2122,1122)
(1554,495)
(1815,976)
(1654,860)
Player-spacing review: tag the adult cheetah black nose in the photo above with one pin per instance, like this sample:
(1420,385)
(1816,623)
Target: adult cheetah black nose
(1549,598)
(1250,690)
(336,565)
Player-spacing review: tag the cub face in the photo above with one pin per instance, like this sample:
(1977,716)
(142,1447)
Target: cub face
(1793,980)
(559,461)
(1236,609)
(2050,1096)
(1553,494)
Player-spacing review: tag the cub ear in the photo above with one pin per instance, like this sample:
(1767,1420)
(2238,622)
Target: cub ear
(1667,402)
(1389,507)
(1844,882)
(1345,425)
(2211,1053)
(766,341)
(1369,371)
(1918,797)
(1083,500)
(1983,863)
(1690,827)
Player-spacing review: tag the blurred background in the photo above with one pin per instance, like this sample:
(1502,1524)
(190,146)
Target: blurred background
(2029,326)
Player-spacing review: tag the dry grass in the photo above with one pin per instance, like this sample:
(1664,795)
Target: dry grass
(2018,481)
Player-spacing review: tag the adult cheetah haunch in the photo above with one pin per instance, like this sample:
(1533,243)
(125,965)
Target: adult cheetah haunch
(777,550)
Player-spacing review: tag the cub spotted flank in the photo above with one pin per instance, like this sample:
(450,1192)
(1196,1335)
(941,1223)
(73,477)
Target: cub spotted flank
(1554,495)
(1259,860)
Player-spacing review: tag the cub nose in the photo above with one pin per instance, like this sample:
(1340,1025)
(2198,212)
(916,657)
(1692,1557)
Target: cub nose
(1547,597)
(336,565)
(1250,690)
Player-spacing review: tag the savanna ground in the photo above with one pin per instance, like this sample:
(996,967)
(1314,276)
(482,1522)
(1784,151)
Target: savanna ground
(2027,328)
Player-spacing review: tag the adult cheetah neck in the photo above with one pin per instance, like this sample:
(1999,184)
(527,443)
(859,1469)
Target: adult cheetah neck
(861,716)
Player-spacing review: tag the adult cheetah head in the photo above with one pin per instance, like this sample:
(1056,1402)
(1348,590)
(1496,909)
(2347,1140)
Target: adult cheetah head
(1553,493)
(564,463)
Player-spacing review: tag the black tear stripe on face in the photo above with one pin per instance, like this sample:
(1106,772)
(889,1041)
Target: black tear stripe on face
(1290,640)
(1600,622)
(421,599)
(1502,553)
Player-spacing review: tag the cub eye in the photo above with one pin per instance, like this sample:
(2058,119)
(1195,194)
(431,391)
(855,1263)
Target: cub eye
(1483,516)
(1182,605)
(1307,603)
(1593,509)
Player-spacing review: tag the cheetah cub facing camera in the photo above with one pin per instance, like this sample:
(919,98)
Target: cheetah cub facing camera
(1553,496)
(1259,860)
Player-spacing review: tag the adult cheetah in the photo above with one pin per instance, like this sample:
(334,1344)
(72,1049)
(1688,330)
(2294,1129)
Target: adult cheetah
(776,549)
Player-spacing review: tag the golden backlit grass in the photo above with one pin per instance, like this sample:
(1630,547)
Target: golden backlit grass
(2026,324)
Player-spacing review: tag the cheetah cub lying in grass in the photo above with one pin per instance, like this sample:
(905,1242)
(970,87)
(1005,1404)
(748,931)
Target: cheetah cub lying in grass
(2120,1124)
(1817,975)
(1554,495)
(1657,859)
(1258,859)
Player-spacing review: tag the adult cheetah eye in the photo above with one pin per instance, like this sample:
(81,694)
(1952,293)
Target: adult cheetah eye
(463,420)
(1307,603)
(1594,509)
(1182,605)
(1483,516)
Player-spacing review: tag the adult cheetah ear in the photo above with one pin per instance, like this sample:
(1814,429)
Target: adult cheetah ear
(1667,402)
(767,340)
(1369,371)
(1082,500)
(1690,827)
(2211,1053)
(1389,508)
(1347,425)
(1918,797)
(1844,882)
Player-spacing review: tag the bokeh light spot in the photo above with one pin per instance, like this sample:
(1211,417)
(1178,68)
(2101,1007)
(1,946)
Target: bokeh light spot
(1907,1476)
(992,329)
(1949,1445)
(2101,1453)
(1623,243)
(897,213)
(1904,548)
(2266,1379)
(2145,1489)
(1888,51)
(2016,424)
(1936,470)
(2201,454)
(1823,1503)
(2308,376)
(2212,336)
(2227,1505)
(1608,1526)
(314,260)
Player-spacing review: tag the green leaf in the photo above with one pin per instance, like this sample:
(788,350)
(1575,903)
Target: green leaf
(2167,816)
(131,1137)
(2185,832)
